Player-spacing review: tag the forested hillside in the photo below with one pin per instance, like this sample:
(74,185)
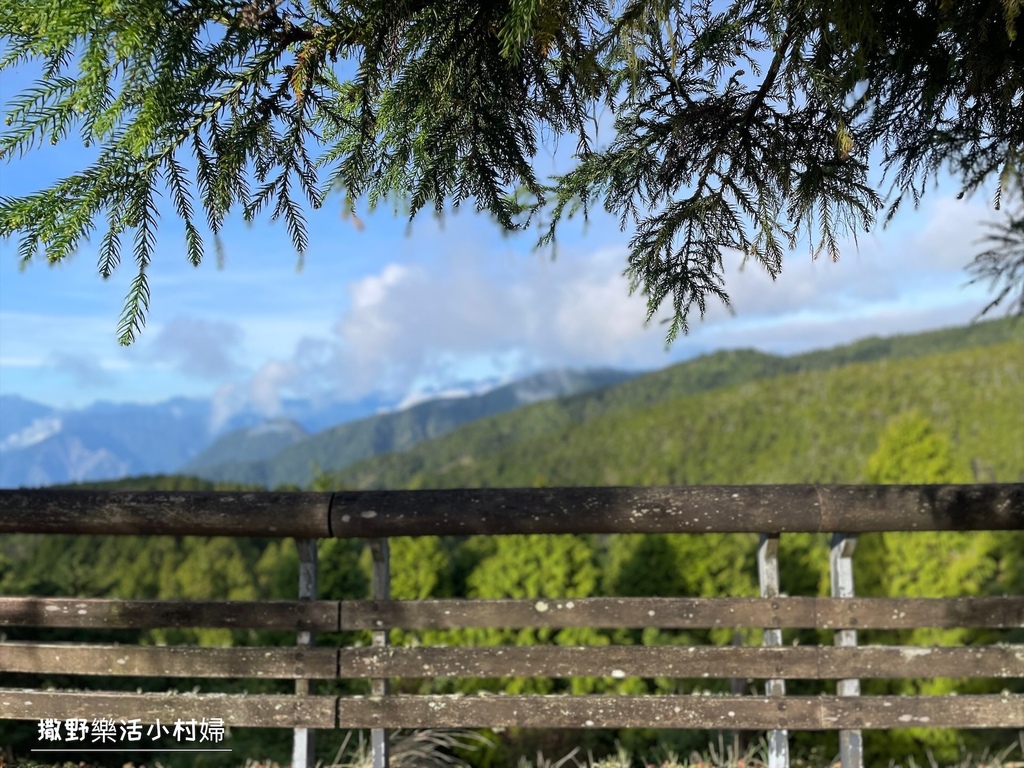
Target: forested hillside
(936,408)
(814,426)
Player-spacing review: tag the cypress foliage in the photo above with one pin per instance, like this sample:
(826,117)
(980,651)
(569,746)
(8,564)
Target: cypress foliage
(742,126)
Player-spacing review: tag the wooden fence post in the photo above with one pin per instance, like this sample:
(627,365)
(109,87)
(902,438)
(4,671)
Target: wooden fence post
(304,739)
(851,750)
(737,687)
(379,743)
(768,576)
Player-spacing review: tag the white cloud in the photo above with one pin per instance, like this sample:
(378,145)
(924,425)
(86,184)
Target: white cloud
(594,317)
(432,324)
(421,324)
(415,398)
(416,322)
(951,235)
(36,432)
(228,400)
(889,271)
(801,332)
(266,386)
(198,347)
(261,393)
(86,372)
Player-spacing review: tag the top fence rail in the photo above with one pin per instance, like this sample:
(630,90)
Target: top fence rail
(768,509)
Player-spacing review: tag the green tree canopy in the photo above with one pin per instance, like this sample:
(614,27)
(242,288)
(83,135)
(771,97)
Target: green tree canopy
(910,450)
(930,564)
(739,125)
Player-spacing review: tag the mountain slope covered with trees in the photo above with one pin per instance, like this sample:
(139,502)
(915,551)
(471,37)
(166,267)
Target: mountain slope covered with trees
(744,417)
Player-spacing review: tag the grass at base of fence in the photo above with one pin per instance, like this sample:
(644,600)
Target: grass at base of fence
(432,749)
(419,750)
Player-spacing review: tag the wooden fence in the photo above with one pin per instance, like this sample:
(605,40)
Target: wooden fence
(771,511)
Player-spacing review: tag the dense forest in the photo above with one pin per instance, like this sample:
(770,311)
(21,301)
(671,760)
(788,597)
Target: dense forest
(930,409)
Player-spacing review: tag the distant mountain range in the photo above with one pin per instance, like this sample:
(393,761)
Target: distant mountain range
(281,454)
(41,445)
(439,441)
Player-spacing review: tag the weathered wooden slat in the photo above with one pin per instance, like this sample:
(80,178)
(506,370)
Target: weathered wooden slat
(175,513)
(251,711)
(169,661)
(687,613)
(804,713)
(794,712)
(666,613)
(805,662)
(374,514)
(696,509)
(911,613)
(802,662)
(320,615)
(823,613)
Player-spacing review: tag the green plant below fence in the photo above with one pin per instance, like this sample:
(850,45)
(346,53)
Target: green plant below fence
(441,749)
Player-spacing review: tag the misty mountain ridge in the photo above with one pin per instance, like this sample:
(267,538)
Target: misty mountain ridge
(345,444)
(255,443)
(42,445)
(570,397)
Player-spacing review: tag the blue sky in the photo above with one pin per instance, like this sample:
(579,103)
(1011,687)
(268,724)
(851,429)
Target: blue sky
(385,309)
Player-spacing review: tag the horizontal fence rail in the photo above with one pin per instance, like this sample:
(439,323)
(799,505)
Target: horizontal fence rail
(169,661)
(597,612)
(805,713)
(688,613)
(806,663)
(768,510)
(167,513)
(809,663)
(377,514)
(99,613)
(241,711)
